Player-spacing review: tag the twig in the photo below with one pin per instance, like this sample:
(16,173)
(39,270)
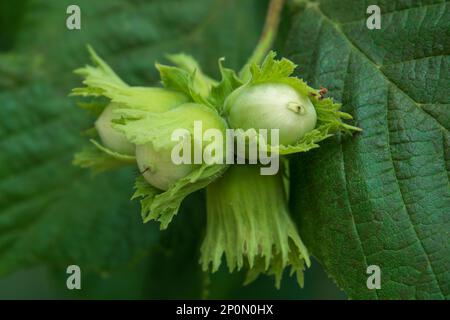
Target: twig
(267,38)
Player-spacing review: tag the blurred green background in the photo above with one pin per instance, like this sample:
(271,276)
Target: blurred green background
(52,214)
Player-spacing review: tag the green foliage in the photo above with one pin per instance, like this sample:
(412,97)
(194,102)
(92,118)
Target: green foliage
(51,212)
(381,197)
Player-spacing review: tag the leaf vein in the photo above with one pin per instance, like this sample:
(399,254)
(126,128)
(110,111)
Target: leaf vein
(337,27)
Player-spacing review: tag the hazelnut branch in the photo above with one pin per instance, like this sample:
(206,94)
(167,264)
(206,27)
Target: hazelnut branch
(267,37)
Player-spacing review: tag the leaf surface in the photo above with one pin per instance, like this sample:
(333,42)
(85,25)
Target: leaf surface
(381,197)
(51,212)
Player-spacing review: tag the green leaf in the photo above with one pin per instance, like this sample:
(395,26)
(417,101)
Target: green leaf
(381,197)
(11,19)
(52,212)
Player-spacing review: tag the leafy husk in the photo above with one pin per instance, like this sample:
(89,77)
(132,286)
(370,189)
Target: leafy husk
(248,222)
(162,206)
(329,117)
(99,158)
(156,128)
